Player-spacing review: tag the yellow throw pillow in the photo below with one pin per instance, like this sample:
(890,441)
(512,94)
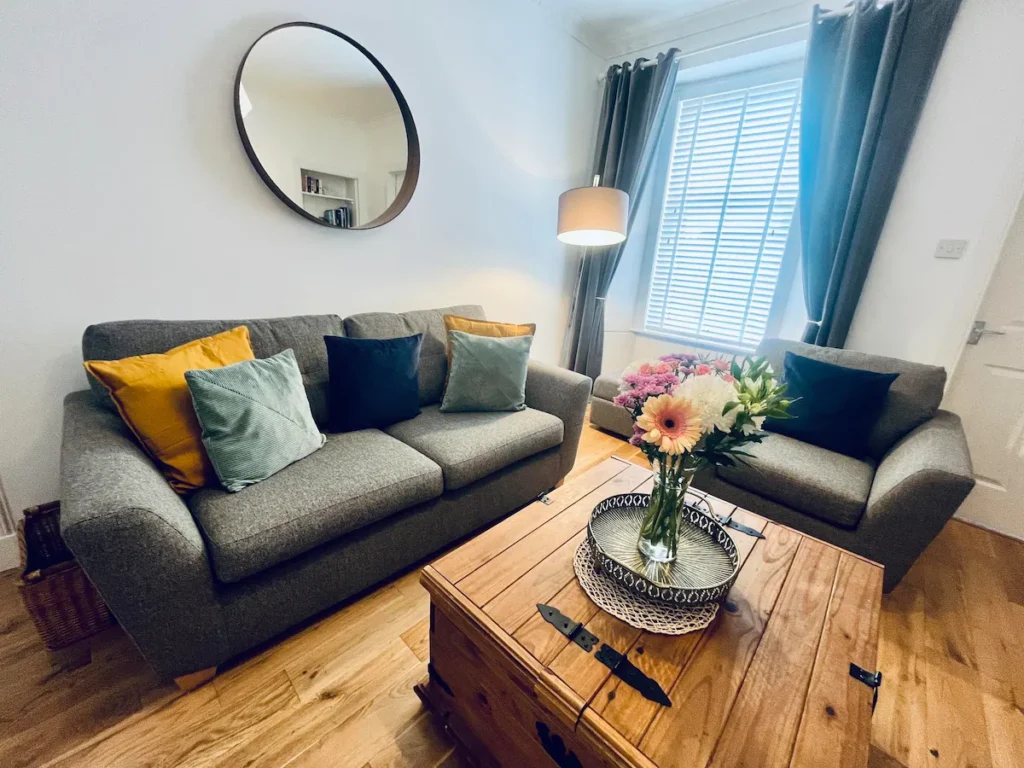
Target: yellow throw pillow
(153,398)
(482,328)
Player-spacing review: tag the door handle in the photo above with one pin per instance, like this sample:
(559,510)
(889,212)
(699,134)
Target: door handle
(978,330)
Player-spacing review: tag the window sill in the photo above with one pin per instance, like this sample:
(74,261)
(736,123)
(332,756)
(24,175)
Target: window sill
(700,344)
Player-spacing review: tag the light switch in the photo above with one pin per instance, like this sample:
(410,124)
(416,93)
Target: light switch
(950,249)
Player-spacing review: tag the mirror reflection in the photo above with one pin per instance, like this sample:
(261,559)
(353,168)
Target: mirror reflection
(325,126)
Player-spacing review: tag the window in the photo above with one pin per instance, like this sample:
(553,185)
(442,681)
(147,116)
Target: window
(729,197)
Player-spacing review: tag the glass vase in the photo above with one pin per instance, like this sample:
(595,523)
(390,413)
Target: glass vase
(659,535)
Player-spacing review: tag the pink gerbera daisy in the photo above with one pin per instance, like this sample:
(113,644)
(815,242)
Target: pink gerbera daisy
(671,423)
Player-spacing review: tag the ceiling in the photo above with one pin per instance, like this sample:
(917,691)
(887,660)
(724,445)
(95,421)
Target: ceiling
(610,27)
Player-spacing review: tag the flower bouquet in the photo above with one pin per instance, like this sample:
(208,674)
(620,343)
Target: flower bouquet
(688,412)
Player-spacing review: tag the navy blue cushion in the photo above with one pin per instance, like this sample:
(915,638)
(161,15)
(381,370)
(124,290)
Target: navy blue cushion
(373,382)
(837,406)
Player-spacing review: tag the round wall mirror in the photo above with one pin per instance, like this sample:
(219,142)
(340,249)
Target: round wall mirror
(326,127)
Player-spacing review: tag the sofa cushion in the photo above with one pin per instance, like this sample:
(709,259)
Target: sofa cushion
(255,418)
(152,396)
(374,382)
(833,406)
(469,446)
(356,479)
(304,335)
(429,322)
(606,387)
(488,373)
(812,480)
(913,398)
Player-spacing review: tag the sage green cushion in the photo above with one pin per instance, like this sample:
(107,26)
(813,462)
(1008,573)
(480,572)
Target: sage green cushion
(487,373)
(255,418)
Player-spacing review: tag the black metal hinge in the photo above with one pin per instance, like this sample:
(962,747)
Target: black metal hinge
(730,523)
(572,629)
(872,680)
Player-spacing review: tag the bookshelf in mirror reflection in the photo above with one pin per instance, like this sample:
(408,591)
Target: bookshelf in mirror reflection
(330,196)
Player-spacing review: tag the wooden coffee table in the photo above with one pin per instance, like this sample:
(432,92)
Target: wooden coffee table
(767,684)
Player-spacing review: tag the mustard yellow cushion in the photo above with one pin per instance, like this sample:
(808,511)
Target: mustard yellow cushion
(481,328)
(153,398)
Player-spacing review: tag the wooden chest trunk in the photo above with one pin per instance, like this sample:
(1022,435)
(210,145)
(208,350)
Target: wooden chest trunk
(767,684)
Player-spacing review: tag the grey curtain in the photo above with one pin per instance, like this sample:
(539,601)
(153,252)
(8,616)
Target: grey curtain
(866,76)
(633,110)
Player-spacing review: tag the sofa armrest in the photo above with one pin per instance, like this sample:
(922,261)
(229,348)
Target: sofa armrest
(564,394)
(138,542)
(918,486)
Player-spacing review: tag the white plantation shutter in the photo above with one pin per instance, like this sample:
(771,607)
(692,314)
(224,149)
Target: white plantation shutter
(729,199)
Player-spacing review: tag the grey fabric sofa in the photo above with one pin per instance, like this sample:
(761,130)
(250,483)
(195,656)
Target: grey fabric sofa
(887,506)
(196,580)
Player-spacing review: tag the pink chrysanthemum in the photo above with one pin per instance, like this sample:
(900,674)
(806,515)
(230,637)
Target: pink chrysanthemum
(637,437)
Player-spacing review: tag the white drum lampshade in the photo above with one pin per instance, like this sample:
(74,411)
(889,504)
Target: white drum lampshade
(593,216)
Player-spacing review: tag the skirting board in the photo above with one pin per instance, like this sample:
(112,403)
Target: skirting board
(989,528)
(9,552)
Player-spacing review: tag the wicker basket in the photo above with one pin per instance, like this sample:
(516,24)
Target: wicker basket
(63,603)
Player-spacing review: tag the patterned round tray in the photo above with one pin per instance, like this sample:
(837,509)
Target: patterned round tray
(706,563)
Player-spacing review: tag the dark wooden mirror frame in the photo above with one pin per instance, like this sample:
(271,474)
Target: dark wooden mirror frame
(412,169)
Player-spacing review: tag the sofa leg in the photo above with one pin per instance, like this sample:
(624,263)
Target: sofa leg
(195,679)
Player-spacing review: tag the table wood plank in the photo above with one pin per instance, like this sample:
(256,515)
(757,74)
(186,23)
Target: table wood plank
(486,582)
(462,561)
(702,697)
(835,729)
(544,641)
(661,657)
(514,607)
(762,727)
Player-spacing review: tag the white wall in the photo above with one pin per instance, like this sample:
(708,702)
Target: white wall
(962,179)
(126,108)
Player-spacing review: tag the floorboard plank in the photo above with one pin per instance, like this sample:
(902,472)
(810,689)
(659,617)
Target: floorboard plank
(898,725)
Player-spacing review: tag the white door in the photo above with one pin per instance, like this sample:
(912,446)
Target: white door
(987,392)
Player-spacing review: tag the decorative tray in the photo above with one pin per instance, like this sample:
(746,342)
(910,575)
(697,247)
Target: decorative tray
(705,566)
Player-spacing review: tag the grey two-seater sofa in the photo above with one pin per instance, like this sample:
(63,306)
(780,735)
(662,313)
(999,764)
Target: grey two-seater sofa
(196,580)
(886,506)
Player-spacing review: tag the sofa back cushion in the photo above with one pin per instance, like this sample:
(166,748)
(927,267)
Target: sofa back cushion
(304,335)
(913,398)
(429,322)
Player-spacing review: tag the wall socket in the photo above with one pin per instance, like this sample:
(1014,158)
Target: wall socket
(951,249)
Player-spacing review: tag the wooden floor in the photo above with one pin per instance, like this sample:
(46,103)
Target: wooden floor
(338,692)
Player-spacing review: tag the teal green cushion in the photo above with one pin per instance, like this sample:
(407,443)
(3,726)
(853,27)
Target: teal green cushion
(487,373)
(255,418)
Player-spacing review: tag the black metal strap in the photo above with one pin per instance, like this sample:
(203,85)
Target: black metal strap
(573,630)
(872,680)
(730,523)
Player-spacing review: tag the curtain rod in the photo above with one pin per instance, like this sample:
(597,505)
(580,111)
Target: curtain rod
(839,13)
(846,10)
(652,62)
